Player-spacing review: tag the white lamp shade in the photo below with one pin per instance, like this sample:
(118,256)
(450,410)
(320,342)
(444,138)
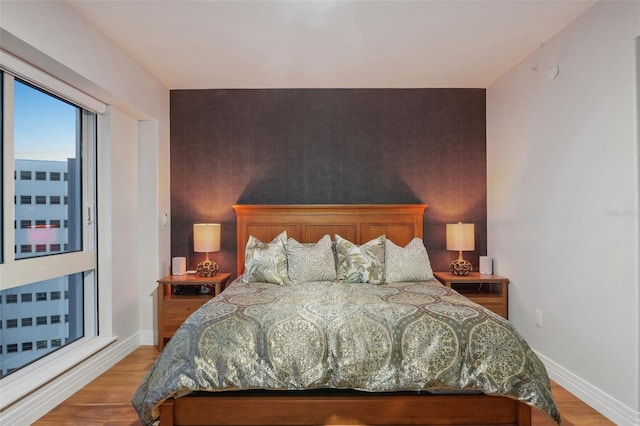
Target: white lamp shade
(460,236)
(206,237)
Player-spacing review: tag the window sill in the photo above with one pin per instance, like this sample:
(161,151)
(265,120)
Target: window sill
(30,378)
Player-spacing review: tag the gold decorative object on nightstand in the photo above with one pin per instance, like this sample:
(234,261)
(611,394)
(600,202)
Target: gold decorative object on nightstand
(460,237)
(206,238)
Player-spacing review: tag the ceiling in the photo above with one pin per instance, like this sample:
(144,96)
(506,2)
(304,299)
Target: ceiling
(322,43)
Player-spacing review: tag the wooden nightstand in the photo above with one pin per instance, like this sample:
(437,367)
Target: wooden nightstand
(174,308)
(490,291)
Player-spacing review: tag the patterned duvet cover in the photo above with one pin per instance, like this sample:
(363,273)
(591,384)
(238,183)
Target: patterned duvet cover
(377,338)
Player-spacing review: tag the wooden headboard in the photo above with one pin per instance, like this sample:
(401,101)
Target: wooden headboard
(309,222)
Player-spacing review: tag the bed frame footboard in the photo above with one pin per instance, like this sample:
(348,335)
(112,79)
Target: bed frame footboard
(286,408)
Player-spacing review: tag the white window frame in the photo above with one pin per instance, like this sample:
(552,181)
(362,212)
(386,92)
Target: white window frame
(14,273)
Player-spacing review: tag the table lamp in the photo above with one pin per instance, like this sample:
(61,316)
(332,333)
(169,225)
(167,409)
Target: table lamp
(206,239)
(460,237)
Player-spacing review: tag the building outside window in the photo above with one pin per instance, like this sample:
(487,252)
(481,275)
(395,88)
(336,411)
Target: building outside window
(52,138)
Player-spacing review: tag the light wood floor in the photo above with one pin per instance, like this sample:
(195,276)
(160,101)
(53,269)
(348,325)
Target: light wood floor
(107,400)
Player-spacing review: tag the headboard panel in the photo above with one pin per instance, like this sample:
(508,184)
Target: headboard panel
(310,222)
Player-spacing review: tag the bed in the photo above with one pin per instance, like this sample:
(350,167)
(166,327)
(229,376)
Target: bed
(303,364)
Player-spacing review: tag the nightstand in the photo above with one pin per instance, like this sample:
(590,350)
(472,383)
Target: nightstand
(179,296)
(490,291)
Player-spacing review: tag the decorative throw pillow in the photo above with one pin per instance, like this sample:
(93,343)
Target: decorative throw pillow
(310,262)
(265,262)
(360,264)
(410,263)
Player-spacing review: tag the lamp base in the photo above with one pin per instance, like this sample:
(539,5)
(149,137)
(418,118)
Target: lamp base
(460,267)
(207,268)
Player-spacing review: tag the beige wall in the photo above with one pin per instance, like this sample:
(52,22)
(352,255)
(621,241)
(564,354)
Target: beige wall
(562,175)
(133,174)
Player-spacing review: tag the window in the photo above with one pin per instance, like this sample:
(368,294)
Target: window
(51,156)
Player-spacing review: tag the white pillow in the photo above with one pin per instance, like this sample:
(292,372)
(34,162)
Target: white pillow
(310,262)
(360,264)
(265,262)
(410,263)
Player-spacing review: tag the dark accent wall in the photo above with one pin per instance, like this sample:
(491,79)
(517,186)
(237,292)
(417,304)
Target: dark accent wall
(327,146)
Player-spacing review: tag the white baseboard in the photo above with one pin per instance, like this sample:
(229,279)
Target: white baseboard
(37,404)
(600,401)
(147,338)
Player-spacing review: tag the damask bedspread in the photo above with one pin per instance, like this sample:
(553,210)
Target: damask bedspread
(377,338)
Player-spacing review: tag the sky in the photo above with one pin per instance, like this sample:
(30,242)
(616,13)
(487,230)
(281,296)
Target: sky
(44,126)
